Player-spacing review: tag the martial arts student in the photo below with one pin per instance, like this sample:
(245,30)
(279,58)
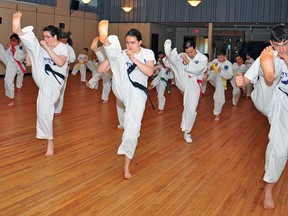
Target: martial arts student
(49,60)
(220,70)
(81,65)
(14,59)
(205,78)
(247,89)
(131,69)
(189,69)
(269,74)
(71,58)
(237,68)
(96,76)
(160,82)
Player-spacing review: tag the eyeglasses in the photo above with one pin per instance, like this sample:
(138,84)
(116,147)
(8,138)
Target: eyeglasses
(278,45)
(47,37)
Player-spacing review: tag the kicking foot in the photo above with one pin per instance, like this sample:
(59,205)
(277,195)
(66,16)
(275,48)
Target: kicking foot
(268,202)
(94,44)
(16,23)
(267,64)
(167,47)
(103,30)
(50,148)
(11,103)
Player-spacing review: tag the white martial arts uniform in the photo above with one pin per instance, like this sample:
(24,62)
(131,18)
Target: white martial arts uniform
(80,66)
(134,99)
(12,68)
(48,77)
(247,89)
(161,82)
(272,101)
(60,101)
(237,69)
(220,82)
(188,79)
(106,76)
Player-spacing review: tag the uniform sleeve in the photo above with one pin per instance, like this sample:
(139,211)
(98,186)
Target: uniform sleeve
(72,55)
(150,56)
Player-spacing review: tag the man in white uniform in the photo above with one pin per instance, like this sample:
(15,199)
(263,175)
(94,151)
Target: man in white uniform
(270,96)
(49,60)
(131,69)
(220,71)
(237,67)
(189,69)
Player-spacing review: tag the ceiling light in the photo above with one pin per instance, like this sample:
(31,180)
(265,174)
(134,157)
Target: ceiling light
(86,1)
(194,3)
(127,6)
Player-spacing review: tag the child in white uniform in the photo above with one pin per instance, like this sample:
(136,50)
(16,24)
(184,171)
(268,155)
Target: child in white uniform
(189,69)
(130,68)
(49,61)
(105,76)
(222,70)
(247,89)
(14,59)
(81,65)
(238,67)
(270,96)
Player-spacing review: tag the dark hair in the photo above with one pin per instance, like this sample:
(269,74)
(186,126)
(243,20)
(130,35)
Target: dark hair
(65,35)
(221,51)
(134,33)
(53,31)
(70,41)
(189,43)
(207,55)
(279,33)
(14,36)
(85,49)
(249,53)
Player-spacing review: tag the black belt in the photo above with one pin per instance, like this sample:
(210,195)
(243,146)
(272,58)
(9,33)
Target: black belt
(138,85)
(283,91)
(54,73)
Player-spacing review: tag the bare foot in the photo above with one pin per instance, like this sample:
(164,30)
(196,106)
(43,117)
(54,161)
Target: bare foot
(57,114)
(94,44)
(267,64)
(105,101)
(167,47)
(88,84)
(127,174)
(103,30)
(11,103)
(160,111)
(216,118)
(16,24)
(50,148)
(268,202)
(150,87)
(18,89)
(120,127)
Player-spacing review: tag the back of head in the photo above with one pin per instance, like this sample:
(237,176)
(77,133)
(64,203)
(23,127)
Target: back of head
(279,33)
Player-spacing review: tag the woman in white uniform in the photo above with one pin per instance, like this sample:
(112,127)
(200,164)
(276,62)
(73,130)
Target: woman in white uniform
(131,69)
(49,60)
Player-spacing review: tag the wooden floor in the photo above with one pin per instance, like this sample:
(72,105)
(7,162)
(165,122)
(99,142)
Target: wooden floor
(220,173)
